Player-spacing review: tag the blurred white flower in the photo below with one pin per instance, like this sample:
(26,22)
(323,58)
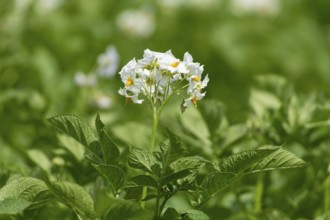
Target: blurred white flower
(103,101)
(48,5)
(262,7)
(22,3)
(157,75)
(108,62)
(196,4)
(136,23)
(83,80)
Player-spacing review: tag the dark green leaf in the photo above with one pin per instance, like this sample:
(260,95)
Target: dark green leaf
(115,176)
(128,210)
(171,214)
(176,176)
(144,180)
(194,215)
(110,151)
(173,149)
(141,159)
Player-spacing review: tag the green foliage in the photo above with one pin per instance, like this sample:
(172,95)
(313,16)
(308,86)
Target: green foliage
(238,165)
(127,210)
(13,206)
(141,159)
(268,66)
(74,196)
(30,189)
(111,154)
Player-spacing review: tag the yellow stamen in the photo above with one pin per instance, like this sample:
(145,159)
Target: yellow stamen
(194,101)
(129,82)
(175,64)
(196,78)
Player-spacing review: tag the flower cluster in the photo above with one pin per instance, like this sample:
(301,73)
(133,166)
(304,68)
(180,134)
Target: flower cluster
(105,68)
(159,75)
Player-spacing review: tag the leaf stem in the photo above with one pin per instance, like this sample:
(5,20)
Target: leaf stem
(259,193)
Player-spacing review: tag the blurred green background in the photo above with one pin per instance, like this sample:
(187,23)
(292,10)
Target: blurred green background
(45,43)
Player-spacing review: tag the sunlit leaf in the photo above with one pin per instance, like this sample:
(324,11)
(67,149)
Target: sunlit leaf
(27,188)
(75,127)
(238,165)
(13,206)
(74,196)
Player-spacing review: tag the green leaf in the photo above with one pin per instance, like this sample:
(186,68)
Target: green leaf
(127,210)
(173,150)
(194,215)
(212,112)
(75,127)
(13,206)
(261,101)
(176,176)
(233,134)
(238,165)
(39,158)
(111,154)
(265,158)
(214,183)
(171,214)
(144,180)
(73,146)
(75,197)
(141,159)
(240,162)
(193,162)
(115,176)
(183,170)
(27,188)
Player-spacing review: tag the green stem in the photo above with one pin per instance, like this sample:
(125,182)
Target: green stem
(259,193)
(152,145)
(327,195)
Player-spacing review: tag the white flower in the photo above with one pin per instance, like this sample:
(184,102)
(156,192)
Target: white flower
(131,96)
(170,5)
(45,6)
(262,7)
(136,23)
(108,62)
(157,75)
(83,80)
(103,101)
(196,95)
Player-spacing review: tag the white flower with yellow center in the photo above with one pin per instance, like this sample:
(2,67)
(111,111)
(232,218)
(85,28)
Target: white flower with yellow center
(196,95)
(158,76)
